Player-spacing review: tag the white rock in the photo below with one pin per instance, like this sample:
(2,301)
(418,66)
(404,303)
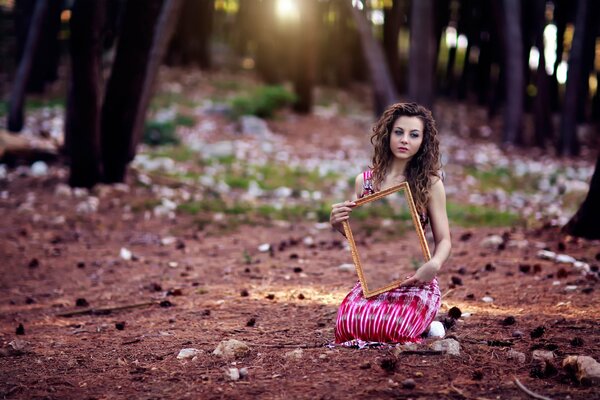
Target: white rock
(231,348)
(564,258)
(518,244)
(125,254)
(492,241)
(233,374)
(254,126)
(63,190)
(570,288)
(282,192)
(517,356)
(168,240)
(295,354)
(546,255)
(448,346)
(543,355)
(39,168)
(243,372)
(487,299)
(436,330)
(3,172)
(308,241)
(80,192)
(188,353)
(586,369)
(347,267)
(88,206)
(263,248)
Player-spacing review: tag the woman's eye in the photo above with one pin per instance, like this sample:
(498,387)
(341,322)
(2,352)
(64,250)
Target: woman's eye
(414,135)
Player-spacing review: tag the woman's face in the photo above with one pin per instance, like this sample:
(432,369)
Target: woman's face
(406,137)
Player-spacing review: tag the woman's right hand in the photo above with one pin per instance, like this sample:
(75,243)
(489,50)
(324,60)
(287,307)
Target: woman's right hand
(340,212)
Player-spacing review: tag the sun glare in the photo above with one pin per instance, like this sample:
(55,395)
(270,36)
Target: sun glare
(287,9)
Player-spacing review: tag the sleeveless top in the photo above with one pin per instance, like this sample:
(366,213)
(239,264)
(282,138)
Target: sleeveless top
(369,188)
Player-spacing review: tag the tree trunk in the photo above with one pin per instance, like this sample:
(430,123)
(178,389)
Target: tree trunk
(586,222)
(17,97)
(45,63)
(542,109)
(125,85)
(515,83)
(381,79)
(191,41)
(568,143)
(267,63)
(83,104)
(422,53)
(160,40)
(306,65)
(391,30)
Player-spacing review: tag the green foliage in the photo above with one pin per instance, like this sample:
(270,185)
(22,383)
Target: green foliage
(468,215)
(160,133)
(263,102)
(503,178)
(176,153)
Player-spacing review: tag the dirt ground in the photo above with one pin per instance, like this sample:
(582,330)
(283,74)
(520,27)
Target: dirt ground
(220,286)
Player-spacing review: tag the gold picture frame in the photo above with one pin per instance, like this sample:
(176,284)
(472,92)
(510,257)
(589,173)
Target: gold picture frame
(380,274)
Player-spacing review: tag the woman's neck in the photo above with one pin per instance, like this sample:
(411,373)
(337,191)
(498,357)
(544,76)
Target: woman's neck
(397,168)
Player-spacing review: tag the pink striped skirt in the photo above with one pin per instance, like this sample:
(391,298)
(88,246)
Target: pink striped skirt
(397,316)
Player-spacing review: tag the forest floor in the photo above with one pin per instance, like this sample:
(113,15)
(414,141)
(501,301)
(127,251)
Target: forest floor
(205,251)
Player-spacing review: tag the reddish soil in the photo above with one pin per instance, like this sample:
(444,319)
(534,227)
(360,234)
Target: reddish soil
(221,287)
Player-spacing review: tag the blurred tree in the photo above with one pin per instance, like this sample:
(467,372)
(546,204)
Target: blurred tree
(124,88)
(423,44)
(83,101)
(542,109)
(34,35)
(267,54)
(190,44)
(586,222)
(568,143)
(391,30)
(514,74)
(306,56)
(383,85)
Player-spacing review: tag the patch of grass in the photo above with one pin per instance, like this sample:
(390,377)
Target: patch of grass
(176,153)
(162,133)
(262,102)
(469,215)
(163,100)
(34,104)
(503,178)
(275,175)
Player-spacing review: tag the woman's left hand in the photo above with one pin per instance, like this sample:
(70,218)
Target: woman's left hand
(424,274)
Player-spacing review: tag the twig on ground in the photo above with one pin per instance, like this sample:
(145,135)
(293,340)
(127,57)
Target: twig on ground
(106,310)
(529,392)
(447,293)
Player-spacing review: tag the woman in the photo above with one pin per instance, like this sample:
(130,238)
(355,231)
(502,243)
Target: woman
(406,148)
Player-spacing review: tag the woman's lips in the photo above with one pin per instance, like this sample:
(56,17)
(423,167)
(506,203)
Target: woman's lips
(402,149)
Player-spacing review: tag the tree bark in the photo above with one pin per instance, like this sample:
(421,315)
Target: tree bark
(162,35)
(586,221)
(515,83)
(17,97)
(568,143)
(391,30)
(422,53)
(542,109)
(381,79)
(83,104)
(267,63)
(125,86)
(306,65)
(190,44)
(45,62)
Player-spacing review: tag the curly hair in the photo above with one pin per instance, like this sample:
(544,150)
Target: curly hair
(423,165)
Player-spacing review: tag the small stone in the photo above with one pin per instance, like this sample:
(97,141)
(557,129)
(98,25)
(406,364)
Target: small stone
(490,267)
(34,263)
(436,330)
(564,258)
(120,325)
(454,312)
(585,369)
(365,365)
(243,372)
(125,254)
(263,248)
(448,346)
(166,241)
(537,332)
(297,270)
(20,330)
(516,356)
(308,241)
(388,364)
(295,354)
(409,383)
(301,296)
(270,296)
(231,348)
(524,268)
(233,374)
(346,268)
(244,293)
(81,302)
(39,168)
(456,281)
(577,342)
(546,255)
(510,320)
(466,236)
(419,374)
(570,288)
(251,322)
(80,264)
(166,303)
(188,353)
(487,299)
(492,242)
(517,334)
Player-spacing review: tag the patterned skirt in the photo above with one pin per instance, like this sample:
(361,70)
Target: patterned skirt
(397,316)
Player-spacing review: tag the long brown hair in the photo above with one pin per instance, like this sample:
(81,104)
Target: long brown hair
(424,164)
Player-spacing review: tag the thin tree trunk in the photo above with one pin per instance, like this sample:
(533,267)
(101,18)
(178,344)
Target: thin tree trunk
(391,30)
(45,62)
(17,97)
(541,104)
(381,79)
(190,44)
(83,104)
(125,86)
(422,53)
(586,222)
(267,63)
(568,143)
(515,83)
(306,65)
(162,36)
